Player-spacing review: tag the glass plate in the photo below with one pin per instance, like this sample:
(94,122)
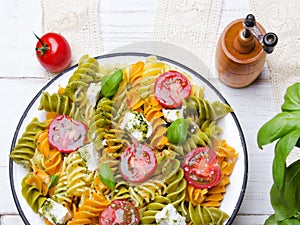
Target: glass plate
(232,132)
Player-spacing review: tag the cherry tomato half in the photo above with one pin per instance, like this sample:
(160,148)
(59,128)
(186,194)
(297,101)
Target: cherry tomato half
(201,168)
(171,88)
(66,134)
(120,212)
(53,52)
(138,163)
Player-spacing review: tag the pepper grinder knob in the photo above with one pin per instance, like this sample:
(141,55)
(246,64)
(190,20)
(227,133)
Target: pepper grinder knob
(241,51)
(268,41)
(248,22)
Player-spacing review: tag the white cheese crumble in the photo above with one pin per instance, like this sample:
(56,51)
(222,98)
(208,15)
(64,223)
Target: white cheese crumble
(93,92)
(136,124)
(172,114)
(89,155)
(169,216)
(54,212)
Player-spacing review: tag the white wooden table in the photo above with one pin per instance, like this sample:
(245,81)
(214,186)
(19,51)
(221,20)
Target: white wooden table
(122,22)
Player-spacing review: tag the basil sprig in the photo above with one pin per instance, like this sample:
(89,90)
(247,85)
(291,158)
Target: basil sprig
(177,131)
(110,83)
(53,181)
(107,176)
(284,127)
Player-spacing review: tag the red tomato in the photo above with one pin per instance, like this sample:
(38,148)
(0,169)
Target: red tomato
(66,134)
(138,163)
(120,212)
(53,52)
(201,168)
(171,88)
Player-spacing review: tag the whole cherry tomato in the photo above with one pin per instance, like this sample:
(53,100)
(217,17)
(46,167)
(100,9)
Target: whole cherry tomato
(53,52)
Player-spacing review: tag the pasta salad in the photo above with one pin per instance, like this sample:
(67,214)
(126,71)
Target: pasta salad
(127,144)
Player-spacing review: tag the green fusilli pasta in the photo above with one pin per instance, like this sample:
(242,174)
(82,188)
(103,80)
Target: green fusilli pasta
(56,102)
(206,215)
(148,214)
(33,196)
(202,110)
(101,121)
(176,185)
(86,73)
(25,147)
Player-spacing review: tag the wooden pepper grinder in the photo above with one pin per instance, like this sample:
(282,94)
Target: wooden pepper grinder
(241,51)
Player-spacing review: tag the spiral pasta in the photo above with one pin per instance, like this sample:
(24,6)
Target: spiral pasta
(25,147)
(91,208)
(204,215)
(59,103)
(40,179)
(176,186)
(116,141)
(195,139)
(33,196)
(85,74)
(60,194)
(101,120)
(143,194)
(212,197)
(153,112)
(228,157)
(77,173)
(202,110)
(52,160)
(74,179)
(148,214)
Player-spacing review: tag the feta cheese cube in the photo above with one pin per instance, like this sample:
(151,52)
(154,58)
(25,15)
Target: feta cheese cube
(89,155)
(54,212)
(136,124)
(172,114)
(169,216)
(93,92)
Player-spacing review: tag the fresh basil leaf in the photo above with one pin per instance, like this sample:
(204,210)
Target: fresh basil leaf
(292,98)
(283,148)
(107,176)
(110,83)
(271,220)
(290,222)
(53,181)
(177,131)
(285,201)
(280,125)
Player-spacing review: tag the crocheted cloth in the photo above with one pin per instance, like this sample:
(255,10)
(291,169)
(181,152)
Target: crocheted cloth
(282,17)
(78,21)
(190,24)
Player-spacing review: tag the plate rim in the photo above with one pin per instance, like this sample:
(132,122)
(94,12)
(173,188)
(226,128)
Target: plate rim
(137,54)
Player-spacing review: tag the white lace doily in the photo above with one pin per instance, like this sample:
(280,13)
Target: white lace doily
(191,24)
(283,18)
(78,21)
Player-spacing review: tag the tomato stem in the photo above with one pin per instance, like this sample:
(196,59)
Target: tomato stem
(42,50)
